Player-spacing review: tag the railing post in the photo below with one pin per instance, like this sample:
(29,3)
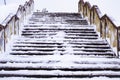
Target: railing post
(11,25)
(1,38)
(80,6)
(118,42)
(4,41)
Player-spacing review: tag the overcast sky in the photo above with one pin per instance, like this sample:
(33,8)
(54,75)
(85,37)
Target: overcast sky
(58,5)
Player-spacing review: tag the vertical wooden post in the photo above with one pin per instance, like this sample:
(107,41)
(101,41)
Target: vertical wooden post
(118,44)
(5,2)
(4,41)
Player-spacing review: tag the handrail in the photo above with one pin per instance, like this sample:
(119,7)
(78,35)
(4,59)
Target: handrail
(11,25)
(105,26)
(7,19)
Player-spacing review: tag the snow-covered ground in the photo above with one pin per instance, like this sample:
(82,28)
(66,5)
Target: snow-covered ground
(51,5)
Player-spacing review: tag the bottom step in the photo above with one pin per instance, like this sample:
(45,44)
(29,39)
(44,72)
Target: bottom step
(23,78)
(59,74)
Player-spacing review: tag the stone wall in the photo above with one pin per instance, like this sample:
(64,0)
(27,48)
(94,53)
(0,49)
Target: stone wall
(105,26)
(11,25)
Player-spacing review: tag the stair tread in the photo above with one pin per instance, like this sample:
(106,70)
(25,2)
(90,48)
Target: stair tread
(103,47)
(23,78)
(41,73)
(58,58)
(52,65)
(59,46)
(52,41)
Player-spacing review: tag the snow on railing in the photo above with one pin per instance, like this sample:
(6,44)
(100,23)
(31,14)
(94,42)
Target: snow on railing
(11,25)
(1,38)
(105,26)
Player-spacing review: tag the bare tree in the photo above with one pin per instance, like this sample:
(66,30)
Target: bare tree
(5,2)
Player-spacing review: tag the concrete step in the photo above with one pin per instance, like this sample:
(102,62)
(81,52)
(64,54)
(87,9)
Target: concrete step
(68,38)
(57,26)
(52,14)
(77,22)
(54,31)
(52,59)
(63,48)
(52,18)
(60,29)
(56,62)
(59,74)
(56,20)
(93,78)
(29,41)
(68,34)
(93,54)
(59,46)
(82,37)
(81,68)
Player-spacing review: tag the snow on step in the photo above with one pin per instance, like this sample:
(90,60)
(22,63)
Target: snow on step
(57,73)
(59,46)
(59,66)
(51,18)
(58,58)
(96,78)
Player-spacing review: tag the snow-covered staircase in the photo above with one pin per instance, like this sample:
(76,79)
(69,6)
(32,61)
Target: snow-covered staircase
(60,46)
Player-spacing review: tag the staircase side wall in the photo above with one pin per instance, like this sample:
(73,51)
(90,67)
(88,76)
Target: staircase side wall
(80,6)
(12,24)
(95,18)
(104,24)
(87,9)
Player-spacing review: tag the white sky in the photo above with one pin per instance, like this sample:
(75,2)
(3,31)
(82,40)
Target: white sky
(58,5)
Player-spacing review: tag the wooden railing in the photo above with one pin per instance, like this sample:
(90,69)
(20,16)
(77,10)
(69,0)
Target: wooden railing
(11,25)
(105,26)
